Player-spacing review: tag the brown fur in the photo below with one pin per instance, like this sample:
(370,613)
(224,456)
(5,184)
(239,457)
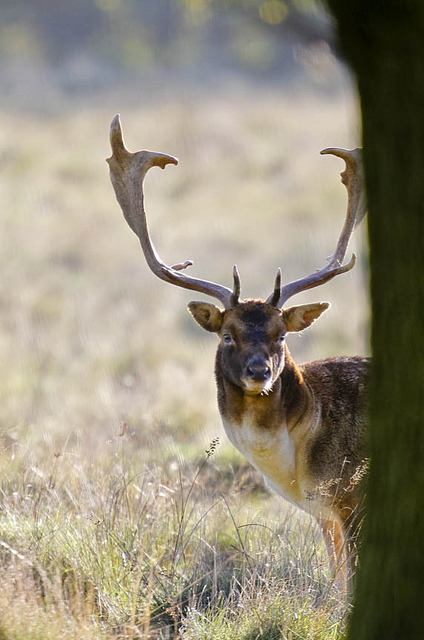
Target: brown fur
(306,432)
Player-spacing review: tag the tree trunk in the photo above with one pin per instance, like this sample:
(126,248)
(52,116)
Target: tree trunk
(384,44)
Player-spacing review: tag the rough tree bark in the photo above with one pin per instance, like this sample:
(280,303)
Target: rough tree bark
(384,44)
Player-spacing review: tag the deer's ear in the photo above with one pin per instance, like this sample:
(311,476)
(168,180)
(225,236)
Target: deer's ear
(207,315)
(302,316)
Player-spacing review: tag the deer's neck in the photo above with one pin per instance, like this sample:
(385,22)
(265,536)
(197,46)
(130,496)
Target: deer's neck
(267,428)
(286,404)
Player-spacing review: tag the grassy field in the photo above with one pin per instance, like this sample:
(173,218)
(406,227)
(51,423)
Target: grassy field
(121,515)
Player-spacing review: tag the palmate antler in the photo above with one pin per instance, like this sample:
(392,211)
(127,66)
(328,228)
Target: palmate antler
(353,179)
(127,172)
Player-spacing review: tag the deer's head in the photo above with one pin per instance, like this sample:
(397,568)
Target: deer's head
(252,333)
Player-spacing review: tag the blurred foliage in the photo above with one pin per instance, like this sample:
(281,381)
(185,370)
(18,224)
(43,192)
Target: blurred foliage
(174,33)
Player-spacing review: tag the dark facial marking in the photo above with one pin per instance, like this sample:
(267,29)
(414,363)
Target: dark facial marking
(251,321)
(255,351)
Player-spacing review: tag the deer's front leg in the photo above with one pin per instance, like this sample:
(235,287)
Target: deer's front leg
(336,550)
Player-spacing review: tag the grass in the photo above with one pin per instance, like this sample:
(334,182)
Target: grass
(123,552)
(114,522)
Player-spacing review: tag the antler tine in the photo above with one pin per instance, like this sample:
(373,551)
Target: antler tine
(275,295)
(234,300)
(127,172)
(352,178)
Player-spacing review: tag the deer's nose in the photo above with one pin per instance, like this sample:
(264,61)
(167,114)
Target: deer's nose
(258,369)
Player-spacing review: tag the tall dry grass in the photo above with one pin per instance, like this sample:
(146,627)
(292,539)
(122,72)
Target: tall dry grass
(107,526)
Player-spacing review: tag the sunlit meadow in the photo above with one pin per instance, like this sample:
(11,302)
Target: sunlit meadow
(124,511)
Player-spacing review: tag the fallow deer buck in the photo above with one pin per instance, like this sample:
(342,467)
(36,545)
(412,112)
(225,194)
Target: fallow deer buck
(302,426)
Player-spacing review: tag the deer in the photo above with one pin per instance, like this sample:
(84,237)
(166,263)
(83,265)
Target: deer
(302,426)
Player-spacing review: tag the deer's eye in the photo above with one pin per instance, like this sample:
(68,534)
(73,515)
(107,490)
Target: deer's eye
(226,338)
(281,338)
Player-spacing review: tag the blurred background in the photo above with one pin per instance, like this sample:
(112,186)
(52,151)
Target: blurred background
(120,515)
(245,94)
(93,45)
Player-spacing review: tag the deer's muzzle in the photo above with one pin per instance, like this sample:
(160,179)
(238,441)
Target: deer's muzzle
(258,369)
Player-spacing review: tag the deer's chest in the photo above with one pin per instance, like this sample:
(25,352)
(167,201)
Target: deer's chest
(270,450)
